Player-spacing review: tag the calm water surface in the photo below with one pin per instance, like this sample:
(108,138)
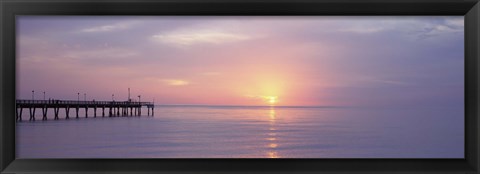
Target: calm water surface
(248,132)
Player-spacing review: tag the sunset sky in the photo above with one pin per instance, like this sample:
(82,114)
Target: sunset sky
(300,61)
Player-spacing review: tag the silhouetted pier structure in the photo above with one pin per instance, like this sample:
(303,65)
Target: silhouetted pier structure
(114,108)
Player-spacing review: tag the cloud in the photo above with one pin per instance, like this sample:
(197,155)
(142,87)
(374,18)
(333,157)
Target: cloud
(175,82)
(382,81)
(111,54)
(449,25)
(186,38)
(106,28)
(455,22)
(391,82)
(363,30)
(419,27)
(261,97)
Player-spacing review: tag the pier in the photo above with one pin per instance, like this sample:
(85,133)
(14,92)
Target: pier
(113,108)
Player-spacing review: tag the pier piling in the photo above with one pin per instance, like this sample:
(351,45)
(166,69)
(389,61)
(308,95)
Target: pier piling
(19,114)
(77,108)
(32,114)
(67,112)
(56,110)
(44,112)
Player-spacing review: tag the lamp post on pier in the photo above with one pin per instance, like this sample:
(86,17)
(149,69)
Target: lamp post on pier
(84,96)
(78,97)
(43,95)
(33,95)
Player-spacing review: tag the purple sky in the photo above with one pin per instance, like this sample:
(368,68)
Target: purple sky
(344,61)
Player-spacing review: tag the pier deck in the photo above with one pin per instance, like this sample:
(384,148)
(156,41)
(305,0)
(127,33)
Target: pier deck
(115,108)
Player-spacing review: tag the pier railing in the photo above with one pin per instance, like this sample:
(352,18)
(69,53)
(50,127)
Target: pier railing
(76,102)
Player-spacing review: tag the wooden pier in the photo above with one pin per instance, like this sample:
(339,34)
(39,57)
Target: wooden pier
(114,108)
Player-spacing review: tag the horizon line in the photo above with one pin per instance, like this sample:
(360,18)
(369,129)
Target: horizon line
(305,106)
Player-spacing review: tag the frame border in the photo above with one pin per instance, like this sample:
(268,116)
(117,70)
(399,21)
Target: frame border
(468,8)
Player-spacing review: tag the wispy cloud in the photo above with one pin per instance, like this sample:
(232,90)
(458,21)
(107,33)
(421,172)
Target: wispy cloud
(106,28)
(363,29)
(264,98)
(419,28)
(100,53)
(186,38)
(449,25)
(455,22)
(175,82)
(382,81)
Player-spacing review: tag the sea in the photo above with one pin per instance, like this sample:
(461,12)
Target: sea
(202,131)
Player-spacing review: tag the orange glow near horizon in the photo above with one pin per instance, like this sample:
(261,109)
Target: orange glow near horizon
(263,86)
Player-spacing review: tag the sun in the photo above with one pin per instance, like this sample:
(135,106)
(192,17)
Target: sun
(272,100)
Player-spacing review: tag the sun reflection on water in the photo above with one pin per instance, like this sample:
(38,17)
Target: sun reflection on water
(271,138)
(272,143)
(272,114)
(271,134)
(273,155)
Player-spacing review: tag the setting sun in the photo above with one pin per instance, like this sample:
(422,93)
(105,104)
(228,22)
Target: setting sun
(272,100)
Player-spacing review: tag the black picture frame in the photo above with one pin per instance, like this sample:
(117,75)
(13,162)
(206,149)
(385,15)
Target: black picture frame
(11,8)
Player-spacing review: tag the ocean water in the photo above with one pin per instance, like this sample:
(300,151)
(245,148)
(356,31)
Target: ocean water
(247,132)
